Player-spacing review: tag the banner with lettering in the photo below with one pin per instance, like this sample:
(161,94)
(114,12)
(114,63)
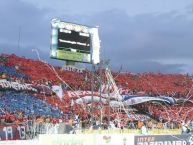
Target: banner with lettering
(164,140)
(138,117)
(15,86)
(86,139)
(14,132)
(4,84)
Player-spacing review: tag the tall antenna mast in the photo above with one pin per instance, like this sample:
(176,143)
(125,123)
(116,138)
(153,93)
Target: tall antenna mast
(19,35)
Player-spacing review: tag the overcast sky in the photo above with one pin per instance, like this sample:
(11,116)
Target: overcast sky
(139,35)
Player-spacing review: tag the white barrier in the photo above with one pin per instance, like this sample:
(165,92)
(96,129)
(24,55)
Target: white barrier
(87,139)
(105,139)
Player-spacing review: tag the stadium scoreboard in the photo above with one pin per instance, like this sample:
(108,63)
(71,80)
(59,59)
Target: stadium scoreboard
(74,42)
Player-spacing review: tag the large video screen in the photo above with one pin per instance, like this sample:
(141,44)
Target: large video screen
(71,42)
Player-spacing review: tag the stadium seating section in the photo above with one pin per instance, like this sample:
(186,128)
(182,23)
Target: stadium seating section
(25,70)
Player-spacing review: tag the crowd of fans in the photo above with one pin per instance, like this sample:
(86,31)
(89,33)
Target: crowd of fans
(177,85)
(22,104)
(166,113)
(17,106)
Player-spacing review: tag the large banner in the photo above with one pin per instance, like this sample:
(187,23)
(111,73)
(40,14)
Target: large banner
(9,85)
(164,140)
(4,84)
(132,100)
(12,132)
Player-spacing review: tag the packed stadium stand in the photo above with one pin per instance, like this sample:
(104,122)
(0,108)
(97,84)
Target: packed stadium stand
(26,104)
(43,102)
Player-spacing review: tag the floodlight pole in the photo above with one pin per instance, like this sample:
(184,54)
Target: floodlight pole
(100,91)
(92,93)
(108,99)
(106,63)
